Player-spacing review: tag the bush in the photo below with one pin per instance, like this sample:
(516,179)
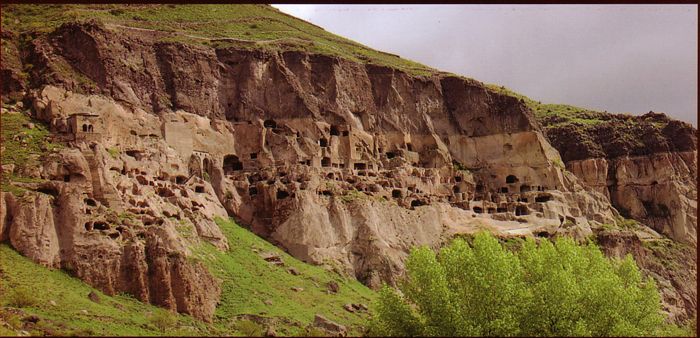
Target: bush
(249,328)
(22,297)
(163,320)
(552,289)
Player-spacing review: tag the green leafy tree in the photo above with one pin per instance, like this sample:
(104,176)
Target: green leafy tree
(555,288)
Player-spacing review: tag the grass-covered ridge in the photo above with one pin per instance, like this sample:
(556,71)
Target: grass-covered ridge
(248,26)
(251,287)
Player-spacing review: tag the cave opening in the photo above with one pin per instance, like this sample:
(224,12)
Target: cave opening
(271,124)
(417,203)
(231,164)
(326,162)
(521,210)
(543,198)
(282,194)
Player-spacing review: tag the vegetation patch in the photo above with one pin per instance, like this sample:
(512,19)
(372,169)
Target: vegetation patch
(25,143)
(254,286)
(554,288)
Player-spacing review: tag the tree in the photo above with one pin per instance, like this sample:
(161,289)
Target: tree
(555,288)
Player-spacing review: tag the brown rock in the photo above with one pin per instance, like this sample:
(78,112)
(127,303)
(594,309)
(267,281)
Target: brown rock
(349,308)
(270,332)
(94,297)
(331,327)
(333,287)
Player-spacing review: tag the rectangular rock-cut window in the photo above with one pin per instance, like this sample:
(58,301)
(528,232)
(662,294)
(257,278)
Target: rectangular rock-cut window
(326,162)
(360,166)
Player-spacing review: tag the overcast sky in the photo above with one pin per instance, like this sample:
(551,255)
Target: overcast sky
(619,58)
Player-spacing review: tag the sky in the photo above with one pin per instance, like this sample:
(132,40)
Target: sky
(616,58)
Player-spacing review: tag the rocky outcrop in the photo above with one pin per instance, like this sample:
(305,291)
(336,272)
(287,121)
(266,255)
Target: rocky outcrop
(63,225)
(646,166)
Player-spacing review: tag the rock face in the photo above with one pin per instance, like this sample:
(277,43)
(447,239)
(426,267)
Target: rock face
(330,159)
(646,166)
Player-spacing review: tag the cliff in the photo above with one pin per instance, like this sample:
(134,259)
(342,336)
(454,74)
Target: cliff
(339,161)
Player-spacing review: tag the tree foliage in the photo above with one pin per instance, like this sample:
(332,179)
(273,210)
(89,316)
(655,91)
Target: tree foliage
(555,288)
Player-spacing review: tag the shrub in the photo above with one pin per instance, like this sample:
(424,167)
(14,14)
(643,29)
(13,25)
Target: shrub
(163,320)
(552,289)
(113,152)
(249,328)
(22,297)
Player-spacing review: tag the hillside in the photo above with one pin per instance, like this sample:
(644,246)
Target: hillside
(243,26)
(130,132)
(256,295)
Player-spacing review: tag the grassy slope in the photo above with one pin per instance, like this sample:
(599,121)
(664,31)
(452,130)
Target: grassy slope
(262,25)
(248,281)
(40,286)
(22,146)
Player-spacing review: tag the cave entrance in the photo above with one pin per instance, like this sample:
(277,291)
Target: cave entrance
(270,124)
(326,162)
(231,164)
(543,198)
(510,179)
(282,194)
(417,203)
(521,210)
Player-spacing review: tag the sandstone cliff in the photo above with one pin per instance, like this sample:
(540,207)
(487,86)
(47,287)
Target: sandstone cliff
(336,161)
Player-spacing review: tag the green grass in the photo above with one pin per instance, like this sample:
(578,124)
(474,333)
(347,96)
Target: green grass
(37,286)
(254,27)
(555,113)
(23,147)
(35,140)
(248,281)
